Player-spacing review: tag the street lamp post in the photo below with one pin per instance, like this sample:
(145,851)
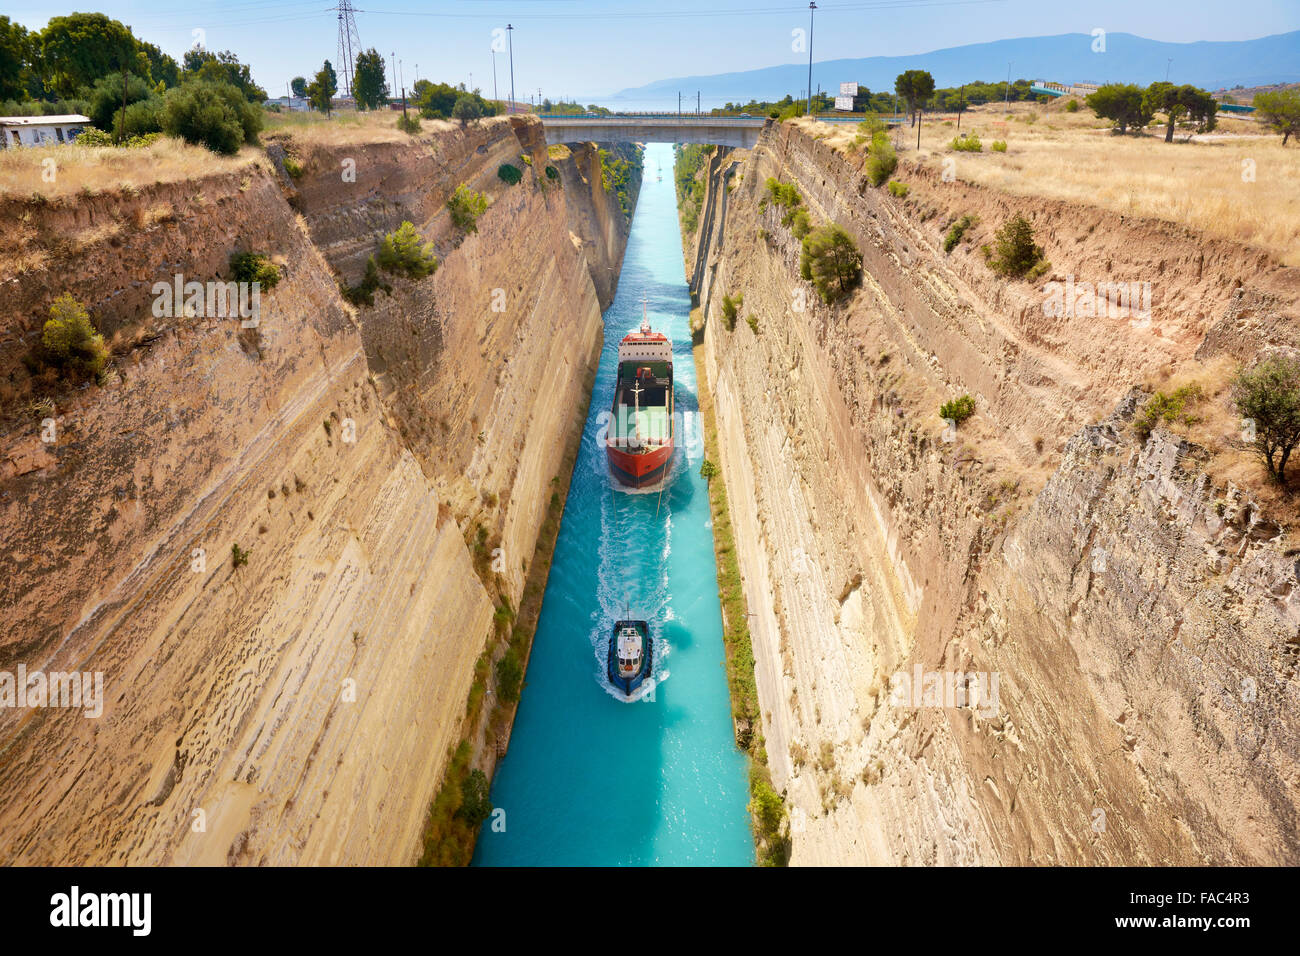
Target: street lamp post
(812,7)
(510,39)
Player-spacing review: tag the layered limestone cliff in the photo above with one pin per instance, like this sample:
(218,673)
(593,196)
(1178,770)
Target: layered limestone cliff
(298,708)
(1133,618)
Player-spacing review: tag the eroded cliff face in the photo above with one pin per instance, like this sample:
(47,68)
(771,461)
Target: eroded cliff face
(1139,618)
(299,708)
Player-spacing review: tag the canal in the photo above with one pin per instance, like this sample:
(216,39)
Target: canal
(591,779)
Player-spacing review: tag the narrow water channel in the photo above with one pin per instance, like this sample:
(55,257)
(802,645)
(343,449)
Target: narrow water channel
(591,779)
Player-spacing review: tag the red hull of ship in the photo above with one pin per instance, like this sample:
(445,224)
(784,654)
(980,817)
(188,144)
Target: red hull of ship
(639,471)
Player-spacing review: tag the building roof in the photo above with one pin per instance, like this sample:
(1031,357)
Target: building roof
(65,120)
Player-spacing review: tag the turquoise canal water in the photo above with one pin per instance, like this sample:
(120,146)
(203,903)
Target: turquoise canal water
(591,779)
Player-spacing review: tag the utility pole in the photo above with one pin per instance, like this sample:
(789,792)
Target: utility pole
(812,7)
(401,81)
(1007,103)
(920,112)
(698,110)
(510,39)
(392,65)
(679,104)
(961,107)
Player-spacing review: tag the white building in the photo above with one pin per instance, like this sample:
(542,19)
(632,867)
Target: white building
(40,130)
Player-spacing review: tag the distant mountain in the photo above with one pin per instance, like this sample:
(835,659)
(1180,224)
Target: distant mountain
(1066,59)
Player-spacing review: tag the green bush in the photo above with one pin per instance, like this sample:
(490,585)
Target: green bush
(364,292)
(69,341)
(1269,395)
(409,123)
(958,410)
(1167,409)
(142,119)
(215,115)
(998,146)
(1014,253)
(1072,106)
(510,174)
(831,260)
(466,206)
(969,143)
(898,190)
(753,323)
(510,676)
(956,231)
(292,167)
(251,267)
(783,194)
(708,469)
(730,307)
(882,161)
(552,172)
(97,137)
(238,556)
(800,224)
(405,253)
(475,801)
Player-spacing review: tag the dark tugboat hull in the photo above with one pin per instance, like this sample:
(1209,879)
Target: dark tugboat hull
(628,685)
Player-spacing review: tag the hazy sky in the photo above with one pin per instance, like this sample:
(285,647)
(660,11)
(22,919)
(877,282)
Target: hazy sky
(586,48)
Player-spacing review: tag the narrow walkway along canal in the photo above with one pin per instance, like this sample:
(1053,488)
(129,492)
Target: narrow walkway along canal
(591,779)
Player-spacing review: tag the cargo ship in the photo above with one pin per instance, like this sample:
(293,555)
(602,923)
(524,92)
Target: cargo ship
(631,655)
(639,443)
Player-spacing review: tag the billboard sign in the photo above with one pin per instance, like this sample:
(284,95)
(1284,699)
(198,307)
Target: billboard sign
(844,104)
(849,89)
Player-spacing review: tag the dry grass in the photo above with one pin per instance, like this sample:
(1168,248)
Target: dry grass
(1074,157)
(341,129)
(108,169)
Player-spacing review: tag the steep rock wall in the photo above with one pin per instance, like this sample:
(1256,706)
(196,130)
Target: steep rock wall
(297,709)
(1142,623)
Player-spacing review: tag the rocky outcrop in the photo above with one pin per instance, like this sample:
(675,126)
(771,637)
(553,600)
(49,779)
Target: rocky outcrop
(1132,619)
(299,707)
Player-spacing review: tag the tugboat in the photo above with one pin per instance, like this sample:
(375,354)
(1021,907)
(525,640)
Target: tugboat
(631,655)
(639,444)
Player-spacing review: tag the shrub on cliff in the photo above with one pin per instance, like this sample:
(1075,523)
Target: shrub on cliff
(800,224)
(1167,410)
(215,115)
(466,206)
(956,231)
(364,292)
(510,676)
(69,342)
(251,267)
(404,253)
(730,307)
(510,175)
(1014,253)
(409,123)
(1268,395)
(957,410)
(883,160)
(830,259)
(475,801)
(898,190)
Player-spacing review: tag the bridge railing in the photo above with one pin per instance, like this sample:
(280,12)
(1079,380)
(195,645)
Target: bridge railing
(685,117)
